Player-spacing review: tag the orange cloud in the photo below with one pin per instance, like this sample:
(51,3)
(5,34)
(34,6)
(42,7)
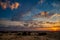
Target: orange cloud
(14,6)
(3,5)
(44,13)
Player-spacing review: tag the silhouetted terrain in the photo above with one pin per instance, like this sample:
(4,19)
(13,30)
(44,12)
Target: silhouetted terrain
(32,36)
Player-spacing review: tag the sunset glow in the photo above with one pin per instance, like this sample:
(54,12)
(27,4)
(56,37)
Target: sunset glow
(39,15)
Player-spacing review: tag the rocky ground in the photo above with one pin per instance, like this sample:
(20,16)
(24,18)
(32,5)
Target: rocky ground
(31,36)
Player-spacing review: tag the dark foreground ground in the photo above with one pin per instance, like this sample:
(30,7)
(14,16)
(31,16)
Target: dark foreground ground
(29,35)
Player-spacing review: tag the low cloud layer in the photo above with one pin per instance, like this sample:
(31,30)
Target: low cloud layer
(8,23)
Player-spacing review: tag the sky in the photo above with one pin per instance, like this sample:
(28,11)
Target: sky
(25,9)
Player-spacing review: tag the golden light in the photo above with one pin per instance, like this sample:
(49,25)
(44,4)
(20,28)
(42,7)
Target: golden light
(54,29)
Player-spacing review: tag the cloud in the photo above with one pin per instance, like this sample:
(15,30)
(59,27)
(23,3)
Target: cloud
(4,5)
(14,6)
(55,10)
(41,1)
(55,4)
(8,23)
(41,14)
(27,14)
